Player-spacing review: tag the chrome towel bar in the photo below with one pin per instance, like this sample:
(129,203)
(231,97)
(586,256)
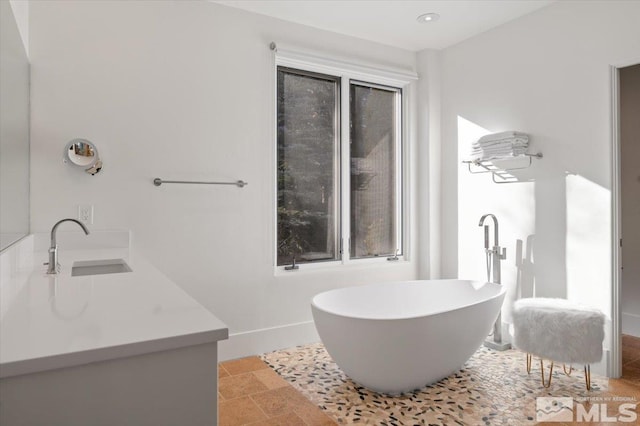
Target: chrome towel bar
(239,183)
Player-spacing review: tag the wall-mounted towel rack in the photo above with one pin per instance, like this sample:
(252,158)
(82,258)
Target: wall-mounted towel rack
(488,166)
(238,183)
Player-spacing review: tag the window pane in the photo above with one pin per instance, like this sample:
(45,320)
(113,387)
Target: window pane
(307,166)
(373,171)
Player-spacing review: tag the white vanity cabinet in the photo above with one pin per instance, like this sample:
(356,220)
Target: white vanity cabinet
(127,348)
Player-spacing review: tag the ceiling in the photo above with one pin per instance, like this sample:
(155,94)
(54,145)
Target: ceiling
(393,22)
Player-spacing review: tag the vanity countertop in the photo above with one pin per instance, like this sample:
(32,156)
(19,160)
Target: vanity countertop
(58,321)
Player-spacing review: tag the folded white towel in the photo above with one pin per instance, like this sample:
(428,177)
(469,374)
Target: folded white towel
(498,153)
(497,148)
(507,153)
(503,135)
(508,141)
(499,145)
(503,150)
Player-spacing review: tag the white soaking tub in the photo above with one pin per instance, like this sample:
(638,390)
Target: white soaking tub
(401,336)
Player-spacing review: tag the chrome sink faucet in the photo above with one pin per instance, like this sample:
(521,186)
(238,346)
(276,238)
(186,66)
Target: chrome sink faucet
(53,249)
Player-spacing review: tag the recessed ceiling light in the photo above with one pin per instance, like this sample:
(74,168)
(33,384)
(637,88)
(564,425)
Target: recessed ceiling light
(428,17)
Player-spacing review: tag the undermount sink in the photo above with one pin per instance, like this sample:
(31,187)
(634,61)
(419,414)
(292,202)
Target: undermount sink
(99,267)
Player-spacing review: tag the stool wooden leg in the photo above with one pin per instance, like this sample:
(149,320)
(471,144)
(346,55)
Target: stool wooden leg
(587,376)
(542,373)
(564,367)
(528,363)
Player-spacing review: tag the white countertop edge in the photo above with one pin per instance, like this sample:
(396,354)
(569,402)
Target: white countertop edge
(35,365)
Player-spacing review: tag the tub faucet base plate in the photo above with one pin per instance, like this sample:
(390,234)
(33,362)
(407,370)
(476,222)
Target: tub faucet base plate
(497,346)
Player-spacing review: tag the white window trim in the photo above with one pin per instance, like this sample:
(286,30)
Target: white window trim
(348,72)
(335,66)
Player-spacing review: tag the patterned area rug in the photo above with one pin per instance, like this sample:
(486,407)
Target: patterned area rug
(493,388)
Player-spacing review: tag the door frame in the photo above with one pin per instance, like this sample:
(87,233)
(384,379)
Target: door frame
(615,366)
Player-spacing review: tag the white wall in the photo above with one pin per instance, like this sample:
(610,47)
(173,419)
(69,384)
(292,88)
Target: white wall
(21,13)
(183,90)
(630,192)
(546,74)
(14,130)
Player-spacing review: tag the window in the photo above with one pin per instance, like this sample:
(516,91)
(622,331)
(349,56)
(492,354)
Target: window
(374,129)
(339,185)
(308,167)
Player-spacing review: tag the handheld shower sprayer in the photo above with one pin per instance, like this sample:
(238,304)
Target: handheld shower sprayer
(486,236)
(494,254)
(487,253)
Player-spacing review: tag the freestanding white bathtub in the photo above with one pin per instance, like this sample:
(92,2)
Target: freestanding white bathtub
(401,336)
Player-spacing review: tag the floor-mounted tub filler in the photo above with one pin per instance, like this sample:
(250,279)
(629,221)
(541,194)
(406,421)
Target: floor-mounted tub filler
(494,256)
(401,336)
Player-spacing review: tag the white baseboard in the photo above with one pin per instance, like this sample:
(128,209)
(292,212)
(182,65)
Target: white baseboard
(631,324)
(266,340)
(601,368)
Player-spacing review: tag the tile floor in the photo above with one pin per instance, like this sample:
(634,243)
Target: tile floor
(251,393)
(493,388)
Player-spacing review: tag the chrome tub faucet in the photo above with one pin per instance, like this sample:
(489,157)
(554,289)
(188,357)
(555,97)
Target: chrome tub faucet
(494,255)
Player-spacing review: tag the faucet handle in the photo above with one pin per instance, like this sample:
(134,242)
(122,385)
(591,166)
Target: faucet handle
(503,255)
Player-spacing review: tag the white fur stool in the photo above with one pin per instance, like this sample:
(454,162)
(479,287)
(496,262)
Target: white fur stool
(558,330)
